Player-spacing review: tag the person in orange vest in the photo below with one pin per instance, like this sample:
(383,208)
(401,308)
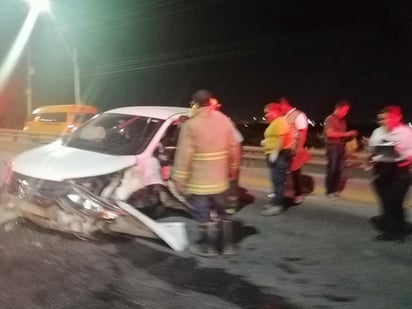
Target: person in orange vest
(206,160)
(299,125)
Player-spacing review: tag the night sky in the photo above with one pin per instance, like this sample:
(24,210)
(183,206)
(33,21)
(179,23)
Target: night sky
(246,52)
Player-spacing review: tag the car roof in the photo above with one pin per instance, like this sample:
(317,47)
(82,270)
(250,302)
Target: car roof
(160,112)
(65,108)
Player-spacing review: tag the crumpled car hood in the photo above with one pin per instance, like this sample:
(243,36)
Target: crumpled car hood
(57,162)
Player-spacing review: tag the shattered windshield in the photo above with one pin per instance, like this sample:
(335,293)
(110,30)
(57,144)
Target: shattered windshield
(115,134)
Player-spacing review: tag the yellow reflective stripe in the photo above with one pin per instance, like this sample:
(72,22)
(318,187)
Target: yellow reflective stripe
(205,192)
(214,158)
(180,174)
(207,188)
(206,156)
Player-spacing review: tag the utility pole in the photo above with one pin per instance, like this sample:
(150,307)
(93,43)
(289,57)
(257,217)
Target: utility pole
(29,86)
(76,73)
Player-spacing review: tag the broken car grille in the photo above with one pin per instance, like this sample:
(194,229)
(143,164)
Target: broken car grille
(40,191)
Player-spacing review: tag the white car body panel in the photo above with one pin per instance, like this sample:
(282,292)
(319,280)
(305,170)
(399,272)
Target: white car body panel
(57,162)
(160,112)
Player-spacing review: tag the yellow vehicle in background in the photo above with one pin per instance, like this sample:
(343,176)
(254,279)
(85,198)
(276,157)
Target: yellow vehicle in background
(59,119)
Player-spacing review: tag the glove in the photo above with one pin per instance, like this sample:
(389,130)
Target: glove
(165,172)
(180,186)
(273,156)
(233,175)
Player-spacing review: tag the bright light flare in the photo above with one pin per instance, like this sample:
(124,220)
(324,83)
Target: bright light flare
(7,67)
(16,50)
(39,5)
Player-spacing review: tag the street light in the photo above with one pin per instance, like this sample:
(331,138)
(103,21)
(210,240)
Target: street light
(72,53)
(38,6)
(10,62)
(76,72)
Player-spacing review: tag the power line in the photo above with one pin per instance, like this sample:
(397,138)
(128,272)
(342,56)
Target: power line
(109,18)
(119,21)
(270,44)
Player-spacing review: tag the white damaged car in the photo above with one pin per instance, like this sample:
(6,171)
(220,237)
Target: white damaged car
(96,177)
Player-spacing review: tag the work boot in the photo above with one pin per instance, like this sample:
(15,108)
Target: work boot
(206,246)
(230,211)
(232,201)
(271,195)
(228,246)
(212,235)
(272,211)
(379,222)
(298,199)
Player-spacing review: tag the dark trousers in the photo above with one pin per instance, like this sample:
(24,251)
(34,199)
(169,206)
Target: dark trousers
(391,185)
(335,154)
(277,175)
(232,195)
(297,181)
(202,204)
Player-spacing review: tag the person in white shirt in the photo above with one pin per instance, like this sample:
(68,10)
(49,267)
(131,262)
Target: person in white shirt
(391,148)
(299,125)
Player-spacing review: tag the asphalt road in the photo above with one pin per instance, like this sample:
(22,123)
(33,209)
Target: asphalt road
(317,255)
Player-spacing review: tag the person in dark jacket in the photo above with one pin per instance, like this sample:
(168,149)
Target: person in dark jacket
(336,136)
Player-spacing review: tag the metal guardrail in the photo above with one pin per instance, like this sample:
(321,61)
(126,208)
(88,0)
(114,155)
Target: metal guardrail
(21,137)
(252,156)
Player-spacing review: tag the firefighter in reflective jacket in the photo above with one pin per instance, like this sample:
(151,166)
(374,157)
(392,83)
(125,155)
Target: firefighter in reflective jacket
(207,158)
